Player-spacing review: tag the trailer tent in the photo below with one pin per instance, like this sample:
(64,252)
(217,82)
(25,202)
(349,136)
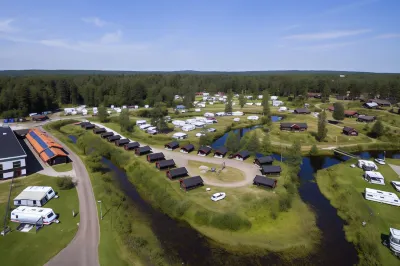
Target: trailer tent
(177,172)
(165,164)
(260,180)
(154,157)
(191,183)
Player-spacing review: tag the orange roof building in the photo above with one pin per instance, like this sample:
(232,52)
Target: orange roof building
(49,151)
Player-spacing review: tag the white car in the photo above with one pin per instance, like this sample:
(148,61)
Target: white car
(396,185)
(380,161)
(218,196)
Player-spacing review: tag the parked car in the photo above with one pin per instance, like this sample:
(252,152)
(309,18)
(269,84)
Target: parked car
(380,161)
(218,196)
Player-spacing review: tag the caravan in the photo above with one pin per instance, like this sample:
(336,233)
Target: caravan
(367,165)
(33,215)
(188,128)
(178,123)
(34,196)
(141,122)
(382,196)
(374,178)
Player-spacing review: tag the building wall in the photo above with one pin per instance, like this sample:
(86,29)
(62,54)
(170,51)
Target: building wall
(8,170)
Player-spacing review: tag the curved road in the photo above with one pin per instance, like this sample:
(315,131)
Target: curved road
(83,249)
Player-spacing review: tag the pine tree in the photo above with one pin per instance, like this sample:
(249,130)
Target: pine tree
(228,105)
(314,150)
(266,147)
(124,122)
(293,155)
(102,114)
(322,130)
(377,129)
(338,112)
(266,110)
(232,142)
(253,144)
(242,100)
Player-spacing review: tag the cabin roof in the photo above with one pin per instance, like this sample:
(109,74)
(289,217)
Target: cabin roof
(10,146)
(349,129)
(205,149)
(156,156)
(115,137)
(243,154)
(222,150)
(350,112)
(144,149)
(264,180)
(192,181)
(271,168)
(265,159)
(188,147)
(302,110)
(166,163)
(178,171)
(100,130)
(107,134)
(288,125)
(123,141)
(172,144)
(133,145)
(366,117)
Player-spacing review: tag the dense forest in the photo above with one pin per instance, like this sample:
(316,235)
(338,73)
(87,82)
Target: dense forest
(23,93)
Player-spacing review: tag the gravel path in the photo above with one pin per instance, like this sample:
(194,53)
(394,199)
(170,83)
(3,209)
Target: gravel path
(395,168)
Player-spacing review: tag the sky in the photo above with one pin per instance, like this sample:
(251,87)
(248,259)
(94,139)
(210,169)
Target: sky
(204,35)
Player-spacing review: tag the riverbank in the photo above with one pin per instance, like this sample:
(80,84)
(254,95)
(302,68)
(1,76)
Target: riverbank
(249,219)
(344,187)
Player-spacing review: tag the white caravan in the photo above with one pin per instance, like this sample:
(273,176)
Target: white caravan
(253,117)
(190,121)
(34,196)
(69,111)
(188,128)
(258,104)
(200,118)
(33,215)
(382,196)
(236,119)
(274,98)
(209,114)
(178,123)
(282,109)
(141,122)
(199,124)
(179,135)
(197,110)
(260,97)
(249,103)
(237,113)
(394,241)
(277,103)
(374,178)
(220,114)
(367,165)
(145,126)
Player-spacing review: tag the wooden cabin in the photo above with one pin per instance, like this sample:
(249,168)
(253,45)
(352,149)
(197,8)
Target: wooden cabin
(221,152)
(204,151)
(131,146)
(350,131)
(264,160)
(177,172)
(271,169)
(191,183)
(99,130)
(301,111)
(121,142)
(260,180)
(165,164)
(154,157)
(114,138)
(294,126)
(366,118)
(143,150)
(350,113)
(187,149)
(171,146)
(107,134)
(242,155)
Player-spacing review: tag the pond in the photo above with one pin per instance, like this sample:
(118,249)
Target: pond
(181,241)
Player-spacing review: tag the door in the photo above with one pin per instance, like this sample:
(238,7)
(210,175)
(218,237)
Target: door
(17,173)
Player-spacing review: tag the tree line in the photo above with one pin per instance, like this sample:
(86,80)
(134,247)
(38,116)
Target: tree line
(20,95)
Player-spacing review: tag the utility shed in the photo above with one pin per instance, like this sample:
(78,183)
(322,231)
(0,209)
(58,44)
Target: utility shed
(131,146)
(107,135)
(121,142)
(271,170)
(221,152)
(154,157)
(172,145)
(204,151)
(264,160)
(165,164)
(260,180)
(99,130)
(191,183)
(114,138)
(142,150)
(177,172)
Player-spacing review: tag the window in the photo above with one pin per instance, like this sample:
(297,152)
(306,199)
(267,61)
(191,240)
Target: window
(50,215)
(17,164)
(18,202)
(34,202)
(16,216)
(1,167)
(50,191)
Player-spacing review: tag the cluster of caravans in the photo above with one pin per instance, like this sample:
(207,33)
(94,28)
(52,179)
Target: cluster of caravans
(29,206)
(143,125)
(76,110)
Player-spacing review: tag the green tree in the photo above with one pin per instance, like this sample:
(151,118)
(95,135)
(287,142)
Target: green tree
(322,130)
(124,122)
(229,100)
(266,147)
(266,109)
(188,100)
(242,100)
(338,112)
(377,129)
(205,140)
(253,144)
(293,155)
(232,142)
(314,150)
(102,114)
(157,116)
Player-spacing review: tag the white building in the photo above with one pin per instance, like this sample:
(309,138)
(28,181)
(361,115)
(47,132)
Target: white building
(33,215)
(12,155)
(34,196)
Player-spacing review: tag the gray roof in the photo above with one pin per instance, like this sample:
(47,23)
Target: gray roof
(302,110)
(10,146)
(271,169)
(31,195)
(287,125)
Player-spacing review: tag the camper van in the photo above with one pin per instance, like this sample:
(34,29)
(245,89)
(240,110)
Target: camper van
(34,196)
(33,215)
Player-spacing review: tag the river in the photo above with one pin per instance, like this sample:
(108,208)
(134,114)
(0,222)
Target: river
(181,241)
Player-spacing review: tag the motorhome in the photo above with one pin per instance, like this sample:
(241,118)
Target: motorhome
(367,165)
(188,127)
(34,196)
(180,135)
(374,177)
(382,196)
(33,215)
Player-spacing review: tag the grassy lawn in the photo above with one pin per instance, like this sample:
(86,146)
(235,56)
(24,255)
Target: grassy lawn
(18,248)
(344,186)
(65,167)
(227,175)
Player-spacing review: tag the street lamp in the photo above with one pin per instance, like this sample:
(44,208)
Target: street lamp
(101,211)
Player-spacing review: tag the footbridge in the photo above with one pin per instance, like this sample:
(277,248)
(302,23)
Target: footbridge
(337,151)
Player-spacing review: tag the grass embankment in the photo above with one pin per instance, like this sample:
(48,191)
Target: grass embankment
(344,187)
(17,248)
(249,218)
(125,234)
(65,167)
(229,174)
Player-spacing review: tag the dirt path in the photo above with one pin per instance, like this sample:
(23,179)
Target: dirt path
(395,168)
(83,249)
(181,160)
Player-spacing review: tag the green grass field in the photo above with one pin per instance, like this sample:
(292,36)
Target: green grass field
(344,187)
(17,248)
(65,167)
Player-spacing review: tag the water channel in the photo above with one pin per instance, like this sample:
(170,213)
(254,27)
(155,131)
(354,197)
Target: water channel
(183,242)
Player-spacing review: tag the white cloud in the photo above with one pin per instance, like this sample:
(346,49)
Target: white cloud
(112,37)
(326,35)
(5,26)
(325,46)
(388,36)
(95,21)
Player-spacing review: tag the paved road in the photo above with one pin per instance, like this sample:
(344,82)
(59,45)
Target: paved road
(181,160)
(83,249)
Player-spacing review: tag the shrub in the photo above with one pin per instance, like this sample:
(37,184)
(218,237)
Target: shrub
(65,183)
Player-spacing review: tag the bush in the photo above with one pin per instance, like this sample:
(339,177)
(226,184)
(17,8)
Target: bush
(65,183)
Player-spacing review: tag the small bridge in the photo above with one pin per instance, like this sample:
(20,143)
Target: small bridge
(337,151)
